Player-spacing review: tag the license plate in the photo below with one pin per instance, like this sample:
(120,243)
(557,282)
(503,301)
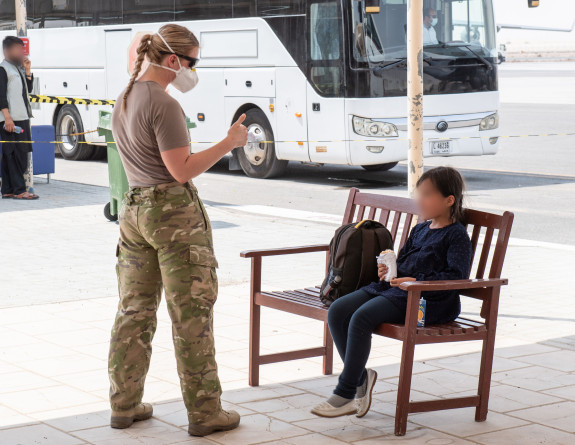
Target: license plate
(441,147)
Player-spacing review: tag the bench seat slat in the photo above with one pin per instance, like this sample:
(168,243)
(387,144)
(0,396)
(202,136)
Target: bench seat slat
(313,289)
(287,297)
(296,298)
(305,298)
(286,304)
(308,292)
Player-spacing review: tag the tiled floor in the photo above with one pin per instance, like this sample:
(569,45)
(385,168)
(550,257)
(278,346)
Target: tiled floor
(54,329)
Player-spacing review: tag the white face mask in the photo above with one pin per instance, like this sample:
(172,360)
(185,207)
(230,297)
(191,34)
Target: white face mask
(186,79)
(434,21)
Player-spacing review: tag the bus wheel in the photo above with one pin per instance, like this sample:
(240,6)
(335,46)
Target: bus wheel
(98,153)
(379,167)
(258,158)
(68,123)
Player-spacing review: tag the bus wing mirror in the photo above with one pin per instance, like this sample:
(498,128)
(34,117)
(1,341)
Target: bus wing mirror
(533,3)
(372,6)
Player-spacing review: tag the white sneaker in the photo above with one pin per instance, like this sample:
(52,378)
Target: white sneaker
(324,409)
(364,403)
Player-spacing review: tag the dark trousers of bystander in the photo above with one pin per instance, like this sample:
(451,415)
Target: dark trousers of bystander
(15,158)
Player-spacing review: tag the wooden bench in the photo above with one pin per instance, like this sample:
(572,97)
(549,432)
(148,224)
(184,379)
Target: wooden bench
(395,213)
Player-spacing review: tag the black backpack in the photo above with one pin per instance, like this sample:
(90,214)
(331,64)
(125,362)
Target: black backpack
(352,258)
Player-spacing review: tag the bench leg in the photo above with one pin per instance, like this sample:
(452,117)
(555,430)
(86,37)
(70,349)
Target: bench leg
(491,308)
(404,388)
(485,378)
(254,366)
(328,345)
(255,309)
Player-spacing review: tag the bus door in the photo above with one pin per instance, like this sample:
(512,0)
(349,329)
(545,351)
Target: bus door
(291,130)
(325,102)
(117,75)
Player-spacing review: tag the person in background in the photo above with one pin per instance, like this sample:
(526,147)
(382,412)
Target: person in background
(429,22)
(165,238)
(15,82)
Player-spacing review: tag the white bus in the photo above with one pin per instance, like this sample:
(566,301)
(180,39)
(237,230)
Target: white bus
(321,81)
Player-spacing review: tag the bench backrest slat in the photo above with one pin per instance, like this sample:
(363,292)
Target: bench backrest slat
(384,216)
(492,226)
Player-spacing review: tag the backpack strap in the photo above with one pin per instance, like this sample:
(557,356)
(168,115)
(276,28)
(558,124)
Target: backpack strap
(367,243)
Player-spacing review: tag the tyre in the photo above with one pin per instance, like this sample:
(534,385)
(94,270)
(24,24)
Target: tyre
(379,167)
(69,122)
(98,153)
(258,159)
(109,215)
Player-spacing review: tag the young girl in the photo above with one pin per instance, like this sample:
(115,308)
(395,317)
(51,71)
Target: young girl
(437,249)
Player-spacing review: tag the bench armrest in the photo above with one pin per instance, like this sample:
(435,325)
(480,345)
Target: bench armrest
(284,251)
(452,284)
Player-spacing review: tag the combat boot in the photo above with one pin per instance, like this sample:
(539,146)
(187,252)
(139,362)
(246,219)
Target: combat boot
(223,421)
(124,419)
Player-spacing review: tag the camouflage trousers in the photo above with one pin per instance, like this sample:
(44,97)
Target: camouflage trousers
(165,242)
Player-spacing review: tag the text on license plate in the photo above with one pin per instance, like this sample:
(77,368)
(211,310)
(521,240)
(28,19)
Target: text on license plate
(441,147)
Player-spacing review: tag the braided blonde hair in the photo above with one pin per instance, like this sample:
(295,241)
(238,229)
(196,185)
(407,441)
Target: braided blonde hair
(180,39)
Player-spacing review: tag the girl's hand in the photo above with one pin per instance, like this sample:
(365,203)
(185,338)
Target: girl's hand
(397,281)
(381,271)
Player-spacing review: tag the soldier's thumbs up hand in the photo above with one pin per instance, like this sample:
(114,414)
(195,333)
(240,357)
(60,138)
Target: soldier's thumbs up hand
(238,133)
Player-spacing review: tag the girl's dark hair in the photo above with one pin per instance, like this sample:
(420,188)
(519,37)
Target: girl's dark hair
(449,182)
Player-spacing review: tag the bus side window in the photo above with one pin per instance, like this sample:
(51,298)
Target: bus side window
(53,14)
(325,30)
(270,8)
(7,15)
(244,8)
(203,9)
(147,11)
(98,12)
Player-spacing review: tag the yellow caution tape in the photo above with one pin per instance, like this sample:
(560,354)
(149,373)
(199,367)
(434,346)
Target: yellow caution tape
(68,100)
(380,141)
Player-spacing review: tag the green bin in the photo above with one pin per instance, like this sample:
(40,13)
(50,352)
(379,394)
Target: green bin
(116,173)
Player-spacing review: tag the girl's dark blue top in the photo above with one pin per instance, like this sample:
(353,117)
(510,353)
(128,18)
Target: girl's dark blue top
(430,255)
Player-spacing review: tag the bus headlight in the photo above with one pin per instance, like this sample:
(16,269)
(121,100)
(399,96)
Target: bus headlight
(367,127)
(490,122)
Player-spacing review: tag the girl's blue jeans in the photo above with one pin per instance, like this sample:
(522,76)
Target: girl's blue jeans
(352,320)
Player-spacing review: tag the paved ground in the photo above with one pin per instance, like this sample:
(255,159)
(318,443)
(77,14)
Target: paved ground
(58,300)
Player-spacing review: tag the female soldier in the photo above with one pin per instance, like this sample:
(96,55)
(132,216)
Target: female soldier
(165,238)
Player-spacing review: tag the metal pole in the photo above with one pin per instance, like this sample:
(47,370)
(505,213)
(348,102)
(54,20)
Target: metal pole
(21,18)
(21,32)
(414,92)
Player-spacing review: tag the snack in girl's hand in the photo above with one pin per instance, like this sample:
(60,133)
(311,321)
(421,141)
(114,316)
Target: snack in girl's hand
(388,258)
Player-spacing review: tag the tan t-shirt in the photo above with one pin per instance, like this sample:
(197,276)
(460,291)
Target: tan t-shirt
(151,122)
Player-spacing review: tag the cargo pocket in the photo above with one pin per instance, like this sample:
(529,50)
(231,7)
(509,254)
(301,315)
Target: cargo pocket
(203,256)
(205,280)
